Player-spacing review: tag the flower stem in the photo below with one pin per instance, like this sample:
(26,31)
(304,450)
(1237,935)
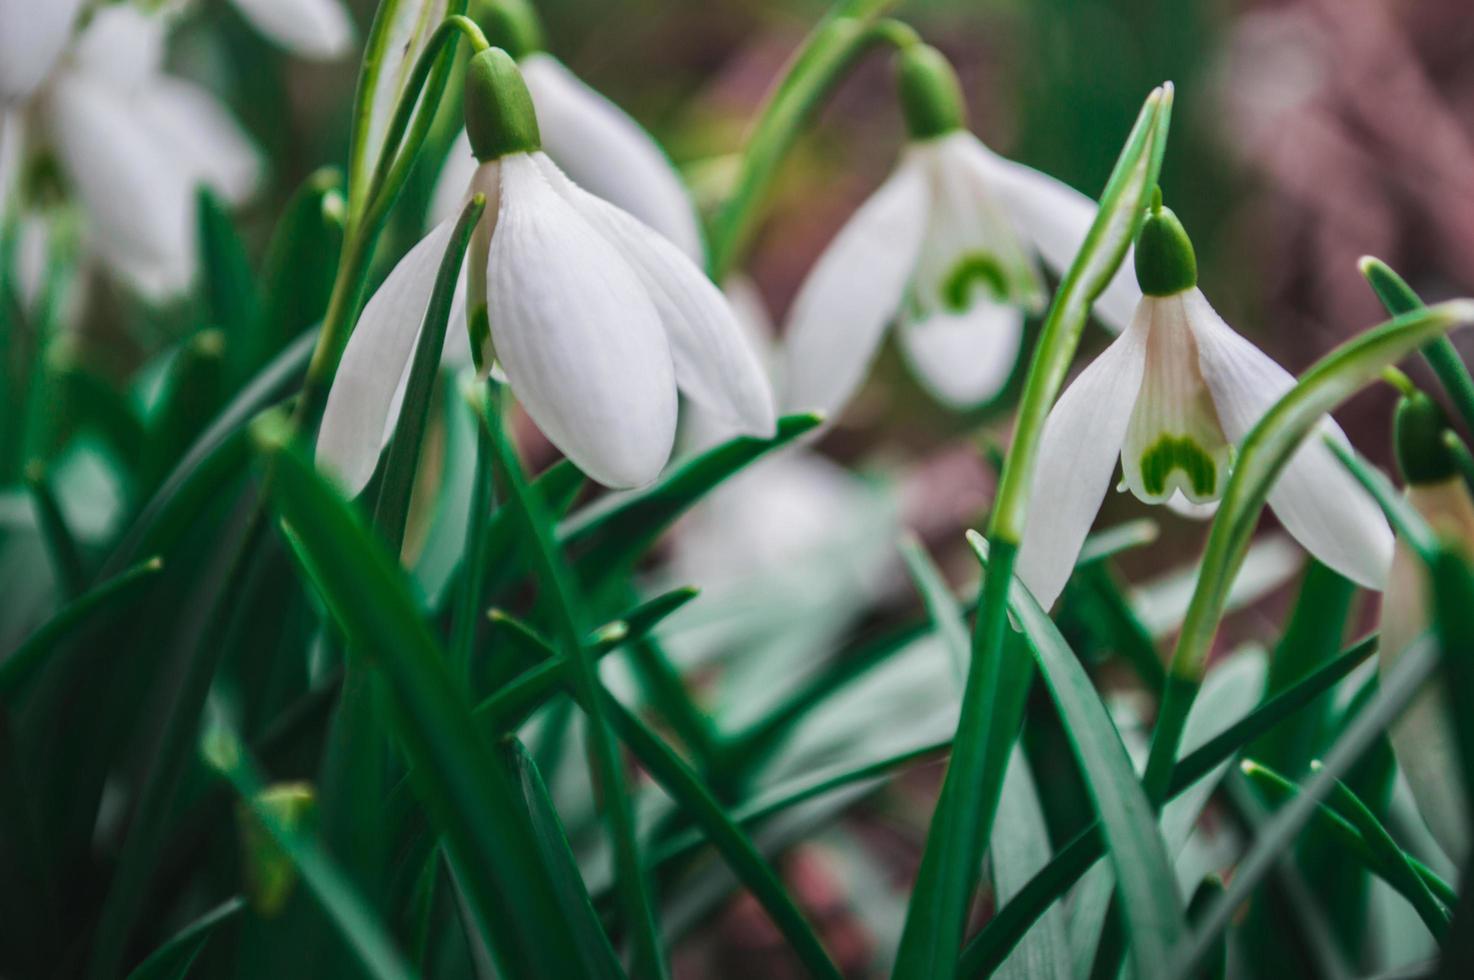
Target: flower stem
(827,55)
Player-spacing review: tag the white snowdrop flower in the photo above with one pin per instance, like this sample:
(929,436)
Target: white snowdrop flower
(594,318)
(1423,738)
(134,145)
(591,139)
(316,29)
(949,248)
(1171,397)
(32,37)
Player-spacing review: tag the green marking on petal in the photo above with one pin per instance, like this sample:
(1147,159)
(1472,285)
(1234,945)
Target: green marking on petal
(975,268)
(1178,453)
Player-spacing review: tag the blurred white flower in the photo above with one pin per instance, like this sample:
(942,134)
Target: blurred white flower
(594,317)
(599,146)
(1171,397)
(32,36)
(1423,738)
(318,29)
(133,144)
(948,247)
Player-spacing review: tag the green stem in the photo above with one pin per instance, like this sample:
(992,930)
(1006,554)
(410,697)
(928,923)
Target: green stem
(827,55)
(466,618)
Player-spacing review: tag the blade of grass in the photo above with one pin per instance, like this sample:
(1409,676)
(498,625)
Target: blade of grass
(297,273)
(1398,297)
(941,606)
(229,283)
(172,961)
(1398,689)
(61,544)
(1145,884)
(606,767)
(19,668)
(469,797)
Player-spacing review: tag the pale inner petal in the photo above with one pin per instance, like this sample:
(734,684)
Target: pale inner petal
(1174,442)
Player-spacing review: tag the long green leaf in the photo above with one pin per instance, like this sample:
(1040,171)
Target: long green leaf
(230,285)
(468,796)
(941,606)
(172,960)
(1402,683)
(1144,879)
(297,273)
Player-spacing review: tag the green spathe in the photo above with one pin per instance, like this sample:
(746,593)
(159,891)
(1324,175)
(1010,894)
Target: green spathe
(1417,439)
(499,114)
(931,97)
(1165,261)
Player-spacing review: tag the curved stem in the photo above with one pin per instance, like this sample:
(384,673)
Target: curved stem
(828,54)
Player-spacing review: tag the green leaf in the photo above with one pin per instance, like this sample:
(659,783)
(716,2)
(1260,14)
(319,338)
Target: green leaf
(191,394)
(401,461)
(1398,297)
(610,535)
(1144,879)
(229,283)
(946,615)
(173,960)
(1020,848)
(1401,684)
(468,796)
(1346,821)
(1411,529)
(993,695)
(297,275)
(19,668)
(364,935)
(988,947)
(606,768)
(61,544)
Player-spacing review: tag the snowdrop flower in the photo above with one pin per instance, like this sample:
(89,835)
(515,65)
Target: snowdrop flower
(591,139)
(948,247)
(317,29)
(594,317)
(1422,738)
(1171,397)
(132,143)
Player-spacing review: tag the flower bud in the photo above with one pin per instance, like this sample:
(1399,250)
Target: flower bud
(1165,261)
(931,96)
(1417,440)
(499,114)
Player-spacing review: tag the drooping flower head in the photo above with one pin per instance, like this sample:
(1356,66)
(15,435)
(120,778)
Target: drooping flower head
(1422,738)
(595,318)
(949,249)
(1170,398)
(593,141)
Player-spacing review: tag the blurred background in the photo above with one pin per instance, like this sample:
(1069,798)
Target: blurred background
(1306,133)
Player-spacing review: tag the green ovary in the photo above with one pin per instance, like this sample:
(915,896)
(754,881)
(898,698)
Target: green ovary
(1178,453)
(973,269)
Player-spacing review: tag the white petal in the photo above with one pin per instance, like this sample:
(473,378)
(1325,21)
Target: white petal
(714,364)
(578,335)
(1174,445)
(202,136)
(362,403)
(32,35)
(1056,217)
(1317,501)
(964,360)
(139,198)
(310,28)
(608,154)
(12,137)
(121,44)
(449,195)
(1423,738)
(1077,455)
(851,294)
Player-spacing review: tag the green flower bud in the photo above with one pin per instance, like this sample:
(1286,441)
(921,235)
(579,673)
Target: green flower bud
(931,96)
(1417,440)
(1165,261)
(511,25)
(499,114)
